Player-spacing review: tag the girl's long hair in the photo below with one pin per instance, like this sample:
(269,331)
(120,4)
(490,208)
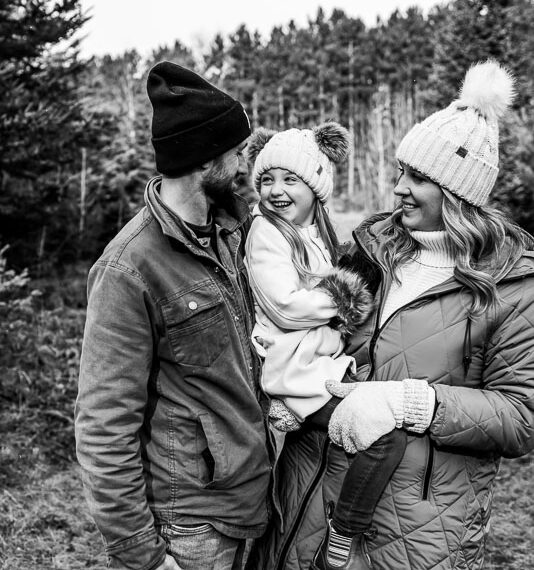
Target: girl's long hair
(299,254)
(484,243)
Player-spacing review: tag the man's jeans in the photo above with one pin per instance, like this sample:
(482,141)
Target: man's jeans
(201,546)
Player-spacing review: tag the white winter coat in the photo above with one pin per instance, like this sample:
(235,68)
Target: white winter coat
(300,350)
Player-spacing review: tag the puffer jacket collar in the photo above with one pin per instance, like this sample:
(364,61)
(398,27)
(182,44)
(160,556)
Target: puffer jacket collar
(367,237)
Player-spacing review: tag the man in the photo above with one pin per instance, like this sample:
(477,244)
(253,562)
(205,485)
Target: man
(170,433)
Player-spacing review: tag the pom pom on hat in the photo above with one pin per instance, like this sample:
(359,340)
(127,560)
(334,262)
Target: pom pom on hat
(333,140)
(458,147)
(310,154)
(489,88)
(257,141)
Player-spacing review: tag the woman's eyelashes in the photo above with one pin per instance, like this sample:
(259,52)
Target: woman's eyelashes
(413,175)
(399,174)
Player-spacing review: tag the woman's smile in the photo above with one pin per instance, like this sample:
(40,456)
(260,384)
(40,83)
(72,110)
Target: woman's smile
(420,200)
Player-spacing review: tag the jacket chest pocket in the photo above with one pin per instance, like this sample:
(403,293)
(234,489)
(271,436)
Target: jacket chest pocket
(195,324)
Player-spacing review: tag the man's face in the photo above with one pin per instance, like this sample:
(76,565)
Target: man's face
(220,180)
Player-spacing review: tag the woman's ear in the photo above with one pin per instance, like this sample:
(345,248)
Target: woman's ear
(258,139)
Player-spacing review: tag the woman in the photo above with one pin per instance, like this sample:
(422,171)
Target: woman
(454,284)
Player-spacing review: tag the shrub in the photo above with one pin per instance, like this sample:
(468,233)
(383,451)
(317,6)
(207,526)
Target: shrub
(38,374)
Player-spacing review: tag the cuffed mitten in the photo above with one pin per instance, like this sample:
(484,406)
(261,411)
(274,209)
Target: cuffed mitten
(282,417)
(370,410)
(419,404)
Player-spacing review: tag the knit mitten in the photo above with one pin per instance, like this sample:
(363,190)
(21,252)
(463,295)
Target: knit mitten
(281,416)
(419,404)
(370,410)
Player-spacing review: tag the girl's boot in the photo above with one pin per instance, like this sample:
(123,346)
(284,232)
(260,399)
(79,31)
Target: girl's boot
(332,553)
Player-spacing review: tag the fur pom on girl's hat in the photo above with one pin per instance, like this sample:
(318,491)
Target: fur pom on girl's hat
(310,154)
(458,147)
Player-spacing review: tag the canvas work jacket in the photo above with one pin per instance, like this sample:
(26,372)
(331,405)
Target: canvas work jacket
(434,513)
(169,424)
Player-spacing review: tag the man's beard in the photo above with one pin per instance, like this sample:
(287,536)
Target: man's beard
(219,187)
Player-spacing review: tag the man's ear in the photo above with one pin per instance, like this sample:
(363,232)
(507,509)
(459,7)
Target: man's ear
(205,167)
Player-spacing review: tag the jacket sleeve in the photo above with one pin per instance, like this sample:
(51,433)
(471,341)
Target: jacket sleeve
(499,417)
(276,284)
(115,369)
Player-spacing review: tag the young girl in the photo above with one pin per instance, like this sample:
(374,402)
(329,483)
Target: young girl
(303,309)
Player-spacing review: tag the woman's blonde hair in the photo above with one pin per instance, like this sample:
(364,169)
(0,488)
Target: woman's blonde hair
(484,243)
(299,254)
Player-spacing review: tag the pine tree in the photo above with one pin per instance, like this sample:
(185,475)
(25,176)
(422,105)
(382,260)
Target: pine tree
(41,127)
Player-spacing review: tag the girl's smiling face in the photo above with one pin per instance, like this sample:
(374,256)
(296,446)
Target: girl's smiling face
(420,200)
(285,194)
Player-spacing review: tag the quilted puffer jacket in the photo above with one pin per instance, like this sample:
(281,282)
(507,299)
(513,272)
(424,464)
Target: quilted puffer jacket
(434,514)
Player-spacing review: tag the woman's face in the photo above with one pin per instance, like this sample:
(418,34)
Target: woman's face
(420,200)
(287,195)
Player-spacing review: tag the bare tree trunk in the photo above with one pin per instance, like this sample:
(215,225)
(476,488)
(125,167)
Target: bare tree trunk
(322,112)
(130,102)
(280,93)
(335,106)
(83,191)
(255,111)
(41,250)
(381,163)
(351,188)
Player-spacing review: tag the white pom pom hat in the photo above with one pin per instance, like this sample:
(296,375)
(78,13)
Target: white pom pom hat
(458,147)
(309,153)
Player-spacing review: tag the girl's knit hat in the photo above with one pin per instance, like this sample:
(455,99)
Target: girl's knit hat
(457,147)
(310,154)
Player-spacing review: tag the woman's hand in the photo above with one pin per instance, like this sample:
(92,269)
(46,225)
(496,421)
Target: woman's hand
(370,410)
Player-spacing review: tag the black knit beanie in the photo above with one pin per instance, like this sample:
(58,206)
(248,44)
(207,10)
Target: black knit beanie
(193,122)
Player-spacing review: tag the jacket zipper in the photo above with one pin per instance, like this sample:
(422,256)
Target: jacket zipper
(296,524)
(372,346)
(428,471)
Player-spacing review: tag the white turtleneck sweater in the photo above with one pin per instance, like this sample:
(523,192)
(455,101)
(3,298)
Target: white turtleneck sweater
(431,265)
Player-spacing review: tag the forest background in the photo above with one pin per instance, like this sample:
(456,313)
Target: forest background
(75,155)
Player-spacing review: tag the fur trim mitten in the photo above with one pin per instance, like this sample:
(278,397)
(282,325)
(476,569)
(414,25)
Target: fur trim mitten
(353,300)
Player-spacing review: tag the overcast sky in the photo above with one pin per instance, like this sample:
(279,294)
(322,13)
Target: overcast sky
(118,25)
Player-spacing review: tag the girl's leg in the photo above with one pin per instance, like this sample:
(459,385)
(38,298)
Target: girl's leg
(344,545)
(365,481)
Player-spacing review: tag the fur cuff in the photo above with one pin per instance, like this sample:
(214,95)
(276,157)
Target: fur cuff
(353,300)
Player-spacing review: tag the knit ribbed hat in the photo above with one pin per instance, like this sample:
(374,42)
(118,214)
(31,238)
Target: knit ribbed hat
(308,153)
(458,147)
(193,121)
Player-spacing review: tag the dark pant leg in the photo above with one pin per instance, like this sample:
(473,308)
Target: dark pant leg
(365,481)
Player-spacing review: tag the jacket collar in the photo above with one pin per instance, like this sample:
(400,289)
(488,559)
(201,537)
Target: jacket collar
(367,235)
(229,218)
